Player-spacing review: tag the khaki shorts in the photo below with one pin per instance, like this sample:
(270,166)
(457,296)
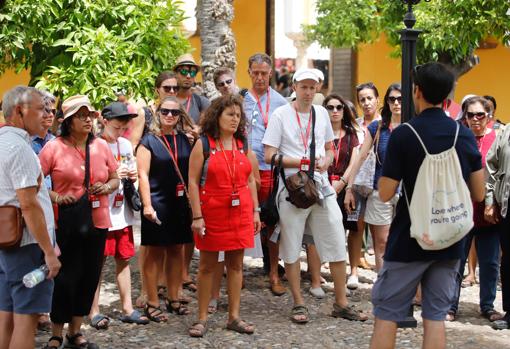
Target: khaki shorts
(378,212)
(323,222)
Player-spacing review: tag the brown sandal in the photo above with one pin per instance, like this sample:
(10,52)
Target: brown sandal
(180,309)
(348,313)
(198,328)
(492,315)
(297,311)
(241,326)
(155,313)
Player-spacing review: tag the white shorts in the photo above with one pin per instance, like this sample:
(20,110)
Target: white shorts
(378,212)
(325,224)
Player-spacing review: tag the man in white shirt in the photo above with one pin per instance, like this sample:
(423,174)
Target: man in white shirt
(289,134)
(21,186)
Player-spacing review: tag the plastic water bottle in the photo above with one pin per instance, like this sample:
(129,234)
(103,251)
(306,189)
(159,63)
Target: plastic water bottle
(36,276)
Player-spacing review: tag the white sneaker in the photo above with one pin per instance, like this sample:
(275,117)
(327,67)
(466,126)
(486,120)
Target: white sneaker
(317,292)
(352,282)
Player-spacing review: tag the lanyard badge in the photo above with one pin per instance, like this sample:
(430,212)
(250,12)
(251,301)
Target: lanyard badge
(236,200)
(333,178)
(94,200)
(179,190)
(118,201)
(305,164)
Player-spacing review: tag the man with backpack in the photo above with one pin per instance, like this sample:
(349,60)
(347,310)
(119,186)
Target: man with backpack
(414,253)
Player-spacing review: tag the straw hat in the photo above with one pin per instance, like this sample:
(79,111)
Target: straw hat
(74,103)
(186,59)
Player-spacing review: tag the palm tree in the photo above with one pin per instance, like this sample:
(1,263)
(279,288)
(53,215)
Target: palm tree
(217,39)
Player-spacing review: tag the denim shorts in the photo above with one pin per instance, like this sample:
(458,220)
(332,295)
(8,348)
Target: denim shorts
(396,286)
(14,296)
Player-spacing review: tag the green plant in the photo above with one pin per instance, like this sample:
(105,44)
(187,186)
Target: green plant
(452,29)
(91,47)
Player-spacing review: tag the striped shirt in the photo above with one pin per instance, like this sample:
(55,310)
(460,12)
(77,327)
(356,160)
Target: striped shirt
(19,169)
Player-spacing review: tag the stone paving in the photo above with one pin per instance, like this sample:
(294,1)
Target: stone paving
(273,327)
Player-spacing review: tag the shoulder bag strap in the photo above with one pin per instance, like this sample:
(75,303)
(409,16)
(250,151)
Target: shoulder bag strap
(176,166)
(86,181)
(312,147)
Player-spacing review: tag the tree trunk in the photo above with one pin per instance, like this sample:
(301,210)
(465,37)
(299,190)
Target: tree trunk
(460,68)
(217,40)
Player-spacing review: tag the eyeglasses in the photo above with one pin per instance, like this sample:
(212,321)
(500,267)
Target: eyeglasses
(393,99)
(477,116)
(224,83)
(170,88)
(85,116)
(331,107)
(191,72)
(169,112)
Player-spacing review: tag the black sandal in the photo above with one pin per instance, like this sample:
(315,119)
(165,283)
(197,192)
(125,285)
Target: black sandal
(181,309)
(155,313)
(71,342)
(60,341)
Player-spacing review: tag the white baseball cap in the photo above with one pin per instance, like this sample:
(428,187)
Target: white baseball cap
(305,74)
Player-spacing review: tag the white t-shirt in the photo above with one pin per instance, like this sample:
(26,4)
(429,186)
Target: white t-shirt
(283,132)
(123,216)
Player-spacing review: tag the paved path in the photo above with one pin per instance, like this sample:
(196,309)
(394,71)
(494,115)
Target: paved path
(273,328)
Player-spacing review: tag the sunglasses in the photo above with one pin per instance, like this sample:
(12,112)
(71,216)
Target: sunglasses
(224,83)
(331,107)
(191,72)
(477,116)
(50,111)
(171,112)
(393,99)
(84,117)
(170,88)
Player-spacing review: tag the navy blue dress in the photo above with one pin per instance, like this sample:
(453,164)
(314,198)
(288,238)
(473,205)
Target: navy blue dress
(173,211)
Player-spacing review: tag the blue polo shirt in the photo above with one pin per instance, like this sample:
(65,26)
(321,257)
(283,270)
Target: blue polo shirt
(255,121)
(404,156)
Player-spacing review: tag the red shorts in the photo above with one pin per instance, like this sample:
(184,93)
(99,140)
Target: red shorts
(120,243)
(265,185)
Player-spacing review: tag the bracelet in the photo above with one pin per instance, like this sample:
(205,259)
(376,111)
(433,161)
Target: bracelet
(109,188)
(348,187)
(343,180)
(257,209)
(197,218)
(56,198)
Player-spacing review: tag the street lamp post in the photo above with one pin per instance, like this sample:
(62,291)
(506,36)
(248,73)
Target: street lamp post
(408,37)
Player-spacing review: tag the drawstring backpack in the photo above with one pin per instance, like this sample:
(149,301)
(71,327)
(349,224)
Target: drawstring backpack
(441,211)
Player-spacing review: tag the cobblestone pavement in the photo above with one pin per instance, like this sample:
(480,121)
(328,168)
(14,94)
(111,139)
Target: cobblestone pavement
(273,327)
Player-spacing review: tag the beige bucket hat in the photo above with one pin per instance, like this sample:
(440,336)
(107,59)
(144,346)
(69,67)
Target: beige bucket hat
(71,105)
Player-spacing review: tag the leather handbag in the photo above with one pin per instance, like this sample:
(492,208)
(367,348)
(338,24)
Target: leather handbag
(76,218)
(301,186)
(269,209)
(364,180)
(11,227)
(131,194)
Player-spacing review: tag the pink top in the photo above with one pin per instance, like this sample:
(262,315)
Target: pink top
(66,165)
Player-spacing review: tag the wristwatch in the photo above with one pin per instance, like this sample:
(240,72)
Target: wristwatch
(257,209)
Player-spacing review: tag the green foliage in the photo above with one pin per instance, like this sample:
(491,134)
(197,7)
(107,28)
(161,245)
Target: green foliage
(91,47)
(453,29)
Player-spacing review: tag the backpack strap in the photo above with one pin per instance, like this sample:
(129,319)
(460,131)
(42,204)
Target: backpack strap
(419,138)
(205,146)
(456,135)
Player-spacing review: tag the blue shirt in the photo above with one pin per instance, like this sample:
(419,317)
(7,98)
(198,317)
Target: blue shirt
(37,144)
(255,121)
(404,156)
(380,146)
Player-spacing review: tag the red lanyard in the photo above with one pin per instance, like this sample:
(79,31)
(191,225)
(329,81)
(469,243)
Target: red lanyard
(188,104)
(306,136)
(265,117)
(174,153)
(231,171)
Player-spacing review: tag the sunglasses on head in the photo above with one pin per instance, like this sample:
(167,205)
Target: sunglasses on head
(224,83)
(392,99)
(191,72)
(478,116)
(170,88)
(169,112)
(331,107)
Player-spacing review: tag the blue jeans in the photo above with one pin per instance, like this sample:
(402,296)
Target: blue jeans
(487,249)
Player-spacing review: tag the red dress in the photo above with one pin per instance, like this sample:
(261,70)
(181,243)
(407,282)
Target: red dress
(227,226)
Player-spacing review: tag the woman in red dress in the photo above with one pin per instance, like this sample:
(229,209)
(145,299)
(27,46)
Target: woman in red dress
(225,208)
